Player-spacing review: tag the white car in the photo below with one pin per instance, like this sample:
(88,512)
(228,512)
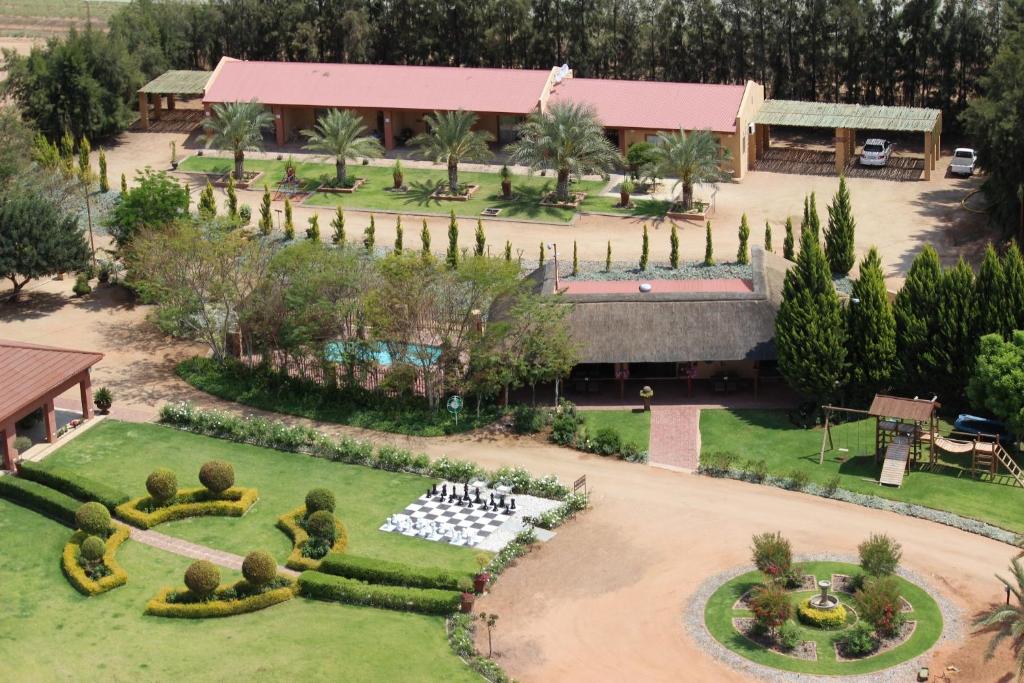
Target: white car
(876,152)
(964,159)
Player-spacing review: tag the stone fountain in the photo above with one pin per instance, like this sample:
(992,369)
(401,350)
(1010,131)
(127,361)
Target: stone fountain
(823,600)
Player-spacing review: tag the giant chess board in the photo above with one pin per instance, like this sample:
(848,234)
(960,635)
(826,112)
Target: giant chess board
(455,514)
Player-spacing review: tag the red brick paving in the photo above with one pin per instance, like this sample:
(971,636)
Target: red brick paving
(632,286)
(675,437)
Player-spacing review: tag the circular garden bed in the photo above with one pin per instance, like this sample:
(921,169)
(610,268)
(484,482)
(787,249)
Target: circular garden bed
(728,618)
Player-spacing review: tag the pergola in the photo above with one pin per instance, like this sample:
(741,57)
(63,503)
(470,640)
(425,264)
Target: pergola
(169,84)
(31,377)
(846,119)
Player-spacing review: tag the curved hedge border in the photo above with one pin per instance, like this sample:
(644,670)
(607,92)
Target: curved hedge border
(77,576)
(42,499)
(288,523)
(197,502)
(352,592)
(159,607)
(73,484)
(383,572)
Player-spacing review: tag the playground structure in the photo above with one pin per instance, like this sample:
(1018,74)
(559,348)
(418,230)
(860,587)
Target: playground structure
(906,432)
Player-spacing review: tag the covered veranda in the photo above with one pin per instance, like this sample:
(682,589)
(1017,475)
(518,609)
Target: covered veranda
(31,377)
(167,87)
(846,120)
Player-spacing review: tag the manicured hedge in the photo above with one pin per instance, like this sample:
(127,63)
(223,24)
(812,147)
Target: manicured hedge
(40,498)
(289,523)
(372,570)
(73,484)
(197,502)
(77,576)
(338,589)
(158,606)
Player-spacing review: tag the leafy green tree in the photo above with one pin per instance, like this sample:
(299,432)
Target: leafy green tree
(266,225)
(450,140)
(342,134)
(545,349)
(645,250)
(398,235)
(788,244)
(156,200)
(567,137)
(37,238)
(709,249)
(452,257)
(207,202)
(691,158)
(916,311)
(993,313)
(810,332)
(104,182)
(871,326)
(289,221)
(370,236)
(313,231)
(1006,622)
(17,146)
(673,239)
(237,127)
(953,347)
(767,236)
(481,239)
(232,197)
(425,239)
(640,159)
(839,235)
(1013,297)
(997,384)
(743,252)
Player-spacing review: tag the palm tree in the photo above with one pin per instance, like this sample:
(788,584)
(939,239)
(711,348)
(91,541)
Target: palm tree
(569,137)
(449,139)
(340,134)
(237,126)
(691,158)
(1007,621)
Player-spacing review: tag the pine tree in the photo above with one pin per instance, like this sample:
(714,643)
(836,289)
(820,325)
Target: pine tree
(370,236)
(788,245)
(805,220)
(425,239)
(313,231)
(743,252)
(1013,275)
(232,196)
(575,260)
(84,167)
(338,223)
(813,222)
(289,223)
(207,202)
(104,181)
(916,321)
(993,315)
(481,240)
(954,346)
(398,235)
(871,329)
(266,224)
(67,152)
(810,334)
(124,184)
(608,258)
(452,257)
(508,250)
(839,236)
(673,239)
(645,250)
(540,261)
(709,250)
(768,236)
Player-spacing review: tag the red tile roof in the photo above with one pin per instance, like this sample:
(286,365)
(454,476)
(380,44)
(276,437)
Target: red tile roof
(378,86)
(29,372)
(656,106)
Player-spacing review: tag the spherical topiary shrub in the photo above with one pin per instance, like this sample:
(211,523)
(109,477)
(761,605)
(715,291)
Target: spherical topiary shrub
(320,524)
(217,476)
(93,519)
(92,548)
(202,577)
(259,568)
(319,499)
(162,485)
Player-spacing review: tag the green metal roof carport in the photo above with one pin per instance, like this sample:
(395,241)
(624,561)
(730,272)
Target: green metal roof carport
(169,84)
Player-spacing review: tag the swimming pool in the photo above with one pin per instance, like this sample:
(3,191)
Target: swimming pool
(413,354)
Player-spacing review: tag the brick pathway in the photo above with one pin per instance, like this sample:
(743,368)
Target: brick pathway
(195,551)
(675,437)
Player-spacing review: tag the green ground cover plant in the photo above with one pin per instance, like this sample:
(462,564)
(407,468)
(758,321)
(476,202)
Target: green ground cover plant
(632,426)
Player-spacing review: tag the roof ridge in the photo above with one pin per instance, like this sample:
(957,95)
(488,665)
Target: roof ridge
(9,343)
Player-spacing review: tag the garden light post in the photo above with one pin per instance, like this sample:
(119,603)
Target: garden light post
(554,250)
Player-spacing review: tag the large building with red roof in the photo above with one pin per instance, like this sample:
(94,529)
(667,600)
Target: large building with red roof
(394,99)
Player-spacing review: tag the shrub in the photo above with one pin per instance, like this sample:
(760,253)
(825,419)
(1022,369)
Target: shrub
(92,548)
(859,640)
(517,478)
(103,399)
(789,636)
(81,286)
(320,525)
(456,470)
(259,568)
(40,498)
(350,591)
(93,519)
(230,601)
(772,555)
(718,463)
(393,459)
(878,603)
(566,424)
(832,486)
(756,470)
(217,476)
(162,485)
(376,571)
(86,582)
(300,559)
(72,483)
(830,619)
(879,555)
(631,453)
(606,442)
(202,577)
(234,502)
(22,443)
(527,419)
(244,214)
(319,499)
(771,607)
(798,480)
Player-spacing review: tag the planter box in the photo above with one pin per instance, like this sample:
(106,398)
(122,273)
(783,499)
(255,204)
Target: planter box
(577,199)
(441,194)
(221,179)
(356,184)
(677,213)
(490,211)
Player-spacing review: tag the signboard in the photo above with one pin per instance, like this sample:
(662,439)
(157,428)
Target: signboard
(455,406)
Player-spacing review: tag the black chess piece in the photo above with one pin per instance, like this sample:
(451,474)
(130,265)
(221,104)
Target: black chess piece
(477,498)
(430,492)
(433,490)
(492,497)
(513,505)
(444,490)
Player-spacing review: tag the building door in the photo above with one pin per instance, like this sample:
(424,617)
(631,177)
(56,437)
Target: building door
(380,125)
(507,128)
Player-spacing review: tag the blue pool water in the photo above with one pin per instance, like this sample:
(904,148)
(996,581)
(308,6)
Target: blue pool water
(413,354)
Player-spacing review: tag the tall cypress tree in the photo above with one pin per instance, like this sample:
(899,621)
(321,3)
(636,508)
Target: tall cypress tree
(104,182)
(338,223)
(370,236)
(954,346)
(608,258)
(743,252)
(871,330)
(481,240)
(540,257)
(1013,275)
(452,257)
(916,319)
(289,223)
(993,314)
(575,260)
(266,224)
(768,236)
(709,250)
(813,221)
(810,332)
(425,239)
(399,237)
(788,243)
(508,250)
(673,239)
(207,202)
(645,250)
(313,231)
(839,235)
(232,195)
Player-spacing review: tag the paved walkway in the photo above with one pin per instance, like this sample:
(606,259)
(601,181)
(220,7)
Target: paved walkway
(195,551)
(675,437)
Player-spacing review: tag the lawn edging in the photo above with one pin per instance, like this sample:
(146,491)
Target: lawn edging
(197,502)
(72,484)
(320,586)
(159,606)
(460,628)
(289,524)
(40,498)
(76,575)
(385,572)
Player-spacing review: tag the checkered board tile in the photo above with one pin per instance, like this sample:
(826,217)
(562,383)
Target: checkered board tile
(472,518)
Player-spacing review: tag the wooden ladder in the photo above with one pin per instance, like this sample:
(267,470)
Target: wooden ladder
(1010,464)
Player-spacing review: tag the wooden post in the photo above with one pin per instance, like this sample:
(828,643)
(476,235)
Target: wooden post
(279,124)
(157,106)
(50,416)
(928,156)
(170,102)
(826,435)
(85,387)
(389,131)
(10,452)
(840,145)
(144,110)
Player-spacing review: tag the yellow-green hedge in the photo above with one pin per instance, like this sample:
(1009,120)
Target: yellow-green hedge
(77,576)
(830,619)
(289,523)
(159,607)
(197,502)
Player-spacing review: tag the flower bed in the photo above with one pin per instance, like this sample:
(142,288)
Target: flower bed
(248,178)
(443,194)
(699,211)
(321,586)
(289,523)
(461,628)
(198,502)
(747,627)
(344,189)
(78,577)
(551,199)
(884,644)
(226,601)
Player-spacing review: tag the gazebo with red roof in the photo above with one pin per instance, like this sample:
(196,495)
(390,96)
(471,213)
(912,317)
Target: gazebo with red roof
(31,377)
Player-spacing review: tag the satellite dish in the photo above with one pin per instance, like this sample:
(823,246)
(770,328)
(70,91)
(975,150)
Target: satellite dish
(563,71)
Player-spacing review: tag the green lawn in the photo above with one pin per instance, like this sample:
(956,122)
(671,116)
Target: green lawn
(719,613)
(123,454)
(375,194)
(633,426)
(48,632)
(768,435)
